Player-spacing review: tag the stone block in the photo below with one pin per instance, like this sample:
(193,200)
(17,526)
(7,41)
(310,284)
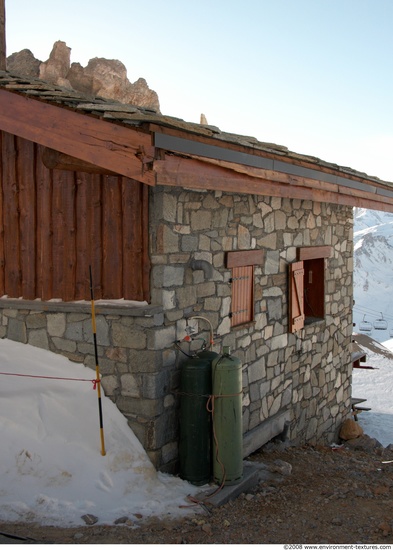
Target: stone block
(74,357)
(129,385)
(139,430)
(56,324)
(77,317)
(102,331)
(264,388)
(62,344)
(276,382)
(246,399)
(206,289)
(273,291)
(169,452)
(124,337)
(167,241)
(275,406)
(224,327)
(189,243)
(155,385)
(254,419)
(12,313)
(169,401)
(172,276)
(116,354)
(201,219)
(186,297)
(220,218)
(145,361)
(74,331)
(169,207)
(161,338)
(286,397)
(307,391)
(257,371)
(243,238)
(86,349)
(213,304)
(17,331)
(168,299)
(36,320)
(274,309)
(38,338)
(107,366)
(279,342)
(162,430)
(311,431)
(255,394)
(110,385)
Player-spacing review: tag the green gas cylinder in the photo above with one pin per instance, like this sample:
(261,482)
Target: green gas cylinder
(195,420)
(227,419)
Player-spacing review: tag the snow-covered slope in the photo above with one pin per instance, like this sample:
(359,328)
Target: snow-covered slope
(51,468)
(373,273)
(375,385)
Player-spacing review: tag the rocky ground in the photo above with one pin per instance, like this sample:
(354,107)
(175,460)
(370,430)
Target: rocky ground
(336,495)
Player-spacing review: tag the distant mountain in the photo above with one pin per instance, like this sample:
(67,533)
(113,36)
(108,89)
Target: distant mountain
(373,273)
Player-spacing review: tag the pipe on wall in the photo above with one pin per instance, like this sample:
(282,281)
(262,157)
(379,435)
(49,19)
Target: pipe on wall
(204,265)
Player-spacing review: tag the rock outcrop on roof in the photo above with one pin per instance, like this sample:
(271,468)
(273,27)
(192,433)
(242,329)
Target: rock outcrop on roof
(25,63)
(101,77)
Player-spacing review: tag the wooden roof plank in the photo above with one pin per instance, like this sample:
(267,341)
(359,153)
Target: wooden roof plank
(194,174)
(96,141)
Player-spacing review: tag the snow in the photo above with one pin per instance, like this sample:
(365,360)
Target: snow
(373,271)
(373,286)
(377,387)
(51,469)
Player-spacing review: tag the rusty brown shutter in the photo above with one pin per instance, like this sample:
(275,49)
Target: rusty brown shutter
(242,295)
(296,296)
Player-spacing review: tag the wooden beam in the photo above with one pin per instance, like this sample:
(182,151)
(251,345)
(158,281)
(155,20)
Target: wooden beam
(198,174)
(54,160)
(312,252)
(110,146)
(270,157)
(240,258)
(356,186)
(3,46)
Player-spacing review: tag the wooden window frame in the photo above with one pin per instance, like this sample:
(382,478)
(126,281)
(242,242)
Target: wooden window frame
(242,263)
(307,286)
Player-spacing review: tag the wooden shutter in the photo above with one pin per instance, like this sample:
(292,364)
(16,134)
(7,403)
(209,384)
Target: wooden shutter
(296,296)
(242,295)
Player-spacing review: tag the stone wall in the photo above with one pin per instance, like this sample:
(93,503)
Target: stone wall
(135,354)
(304,378)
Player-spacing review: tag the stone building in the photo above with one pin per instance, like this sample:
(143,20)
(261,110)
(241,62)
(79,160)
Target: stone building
(197,228)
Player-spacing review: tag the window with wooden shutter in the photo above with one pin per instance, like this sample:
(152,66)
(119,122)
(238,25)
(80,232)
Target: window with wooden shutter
(242,280)
(307,286)
(296,296)
(242,310)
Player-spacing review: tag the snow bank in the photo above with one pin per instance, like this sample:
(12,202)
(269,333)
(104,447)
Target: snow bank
(51,467)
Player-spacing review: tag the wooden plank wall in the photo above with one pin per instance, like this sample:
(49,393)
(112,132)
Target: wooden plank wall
(55,223)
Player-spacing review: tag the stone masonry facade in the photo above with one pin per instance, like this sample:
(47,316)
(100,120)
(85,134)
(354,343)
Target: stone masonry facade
(305,376)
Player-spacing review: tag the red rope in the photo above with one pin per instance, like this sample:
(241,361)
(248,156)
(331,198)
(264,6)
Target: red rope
(94,382)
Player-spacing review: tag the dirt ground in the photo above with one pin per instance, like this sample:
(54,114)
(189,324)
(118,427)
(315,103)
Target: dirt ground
(332,495)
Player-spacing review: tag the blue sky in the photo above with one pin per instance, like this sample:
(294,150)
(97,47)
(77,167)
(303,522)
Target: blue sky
(313,75)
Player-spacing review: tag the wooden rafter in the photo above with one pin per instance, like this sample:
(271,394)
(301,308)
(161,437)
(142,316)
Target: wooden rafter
(201,173)
(92,140)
